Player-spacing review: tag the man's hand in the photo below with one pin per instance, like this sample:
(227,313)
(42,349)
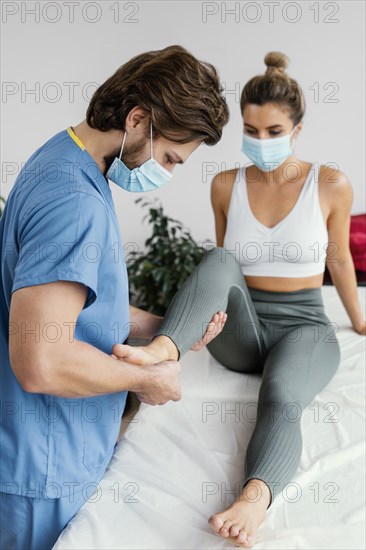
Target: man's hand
(214,328)
(160,382)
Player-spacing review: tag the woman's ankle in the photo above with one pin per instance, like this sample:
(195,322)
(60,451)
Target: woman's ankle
(164,347)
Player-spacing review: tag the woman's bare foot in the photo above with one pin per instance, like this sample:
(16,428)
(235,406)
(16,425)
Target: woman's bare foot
(240,521)
(161,348)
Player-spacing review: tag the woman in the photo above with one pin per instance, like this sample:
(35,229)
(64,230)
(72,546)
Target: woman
(278,222)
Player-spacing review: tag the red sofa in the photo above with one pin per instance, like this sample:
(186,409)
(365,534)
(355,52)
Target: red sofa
(358,249)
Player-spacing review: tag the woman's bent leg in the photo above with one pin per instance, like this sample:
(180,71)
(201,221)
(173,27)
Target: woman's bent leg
(216,284)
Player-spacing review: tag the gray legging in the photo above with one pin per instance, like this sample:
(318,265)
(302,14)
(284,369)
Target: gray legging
(284,335)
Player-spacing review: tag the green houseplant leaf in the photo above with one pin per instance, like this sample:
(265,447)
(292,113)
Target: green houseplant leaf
(2,201)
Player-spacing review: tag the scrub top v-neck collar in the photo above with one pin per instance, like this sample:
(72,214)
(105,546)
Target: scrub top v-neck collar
(101,180)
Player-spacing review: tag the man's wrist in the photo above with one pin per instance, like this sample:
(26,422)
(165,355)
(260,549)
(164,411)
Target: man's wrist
(147,323)
(140,376)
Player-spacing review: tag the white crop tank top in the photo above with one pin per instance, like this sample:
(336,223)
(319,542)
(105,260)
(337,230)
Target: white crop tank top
(294,247)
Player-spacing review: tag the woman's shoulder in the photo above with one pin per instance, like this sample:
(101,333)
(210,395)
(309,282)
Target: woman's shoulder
(224,176)
(223,181)
(334,185)
(222,187)
(331,175)
(333,181)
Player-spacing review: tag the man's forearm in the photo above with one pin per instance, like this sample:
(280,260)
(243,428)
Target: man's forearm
(143,323)
(82,370)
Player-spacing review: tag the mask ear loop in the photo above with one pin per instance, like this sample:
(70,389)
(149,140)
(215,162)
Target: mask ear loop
(123,142)
(293,143)
(151,143)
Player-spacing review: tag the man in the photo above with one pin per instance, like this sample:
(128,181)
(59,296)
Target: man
(64,305)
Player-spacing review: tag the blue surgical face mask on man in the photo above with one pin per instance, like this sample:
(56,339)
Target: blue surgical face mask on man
(267,154)
(147,177)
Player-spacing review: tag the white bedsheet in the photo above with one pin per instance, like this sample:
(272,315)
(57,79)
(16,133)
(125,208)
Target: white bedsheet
(176,463)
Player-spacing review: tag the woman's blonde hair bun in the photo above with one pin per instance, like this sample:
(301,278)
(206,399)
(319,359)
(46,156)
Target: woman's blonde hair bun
(275,86)
(276,62)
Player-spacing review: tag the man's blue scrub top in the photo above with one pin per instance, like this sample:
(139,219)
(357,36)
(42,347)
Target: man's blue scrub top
(59,223)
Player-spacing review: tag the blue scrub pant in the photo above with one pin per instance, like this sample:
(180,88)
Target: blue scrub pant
(28,523)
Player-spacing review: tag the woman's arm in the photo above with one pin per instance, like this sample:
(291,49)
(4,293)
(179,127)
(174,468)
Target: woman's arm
(339,259)
(221,188)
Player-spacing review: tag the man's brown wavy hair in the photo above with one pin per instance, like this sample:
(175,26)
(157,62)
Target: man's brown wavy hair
(182,95)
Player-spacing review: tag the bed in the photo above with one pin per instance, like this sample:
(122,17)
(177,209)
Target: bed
(179,463)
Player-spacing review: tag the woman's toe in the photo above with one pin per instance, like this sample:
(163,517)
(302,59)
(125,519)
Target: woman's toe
(216,522)
(249,542)
(242,537)
(224,531)
(234,530)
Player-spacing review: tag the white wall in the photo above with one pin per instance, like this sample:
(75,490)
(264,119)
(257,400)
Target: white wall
(324,47)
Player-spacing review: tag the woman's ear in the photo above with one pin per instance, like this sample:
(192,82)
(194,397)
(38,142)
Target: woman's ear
(298,129)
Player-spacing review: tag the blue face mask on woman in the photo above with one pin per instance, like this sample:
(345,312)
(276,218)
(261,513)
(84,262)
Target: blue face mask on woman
(267,154)
(147,177)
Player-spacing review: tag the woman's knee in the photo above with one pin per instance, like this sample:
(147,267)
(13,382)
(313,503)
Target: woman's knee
(277,398)
(223,260)
(277,389)
(325,360)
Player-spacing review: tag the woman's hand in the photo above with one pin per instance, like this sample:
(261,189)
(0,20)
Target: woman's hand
(361,328)
(214,328)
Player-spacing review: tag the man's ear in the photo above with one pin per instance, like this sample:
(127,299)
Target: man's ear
(136,116)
